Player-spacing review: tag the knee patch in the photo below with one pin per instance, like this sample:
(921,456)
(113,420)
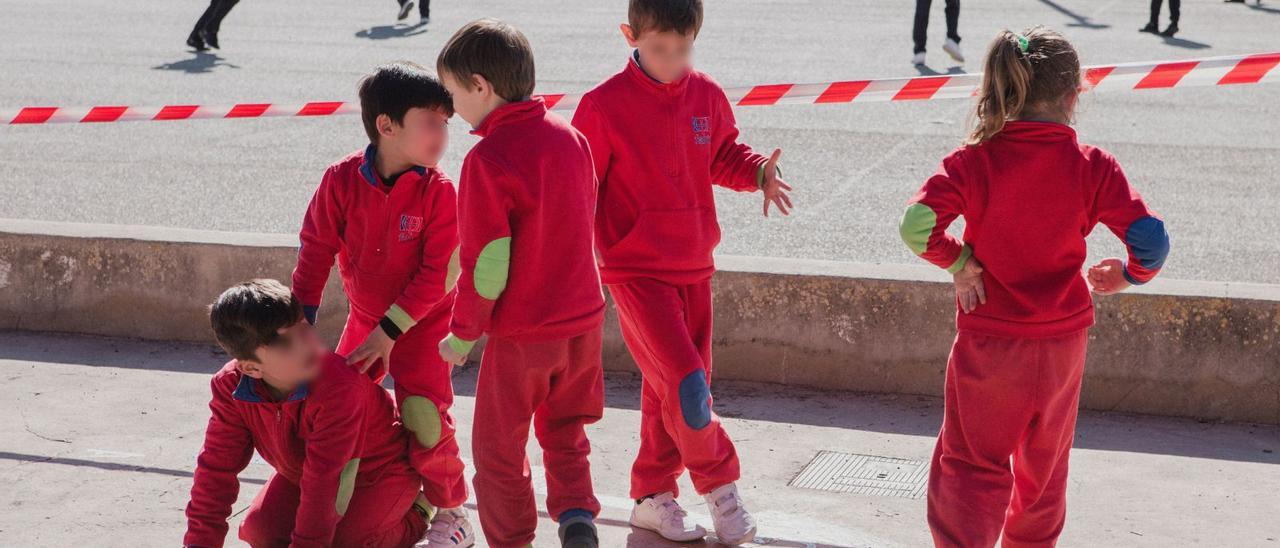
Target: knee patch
(695,400)
(421,416)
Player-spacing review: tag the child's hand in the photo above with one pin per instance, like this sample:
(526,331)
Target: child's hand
(1107,277)
(774,187)
(377,346)
(969,289)
(449,354)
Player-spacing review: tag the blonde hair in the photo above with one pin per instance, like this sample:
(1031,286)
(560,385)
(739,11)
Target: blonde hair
(1032,72)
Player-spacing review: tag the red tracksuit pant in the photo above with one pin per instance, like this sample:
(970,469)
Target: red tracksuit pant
(559,386)
(424,394)
(1001,458)
(379,515)
(668,330)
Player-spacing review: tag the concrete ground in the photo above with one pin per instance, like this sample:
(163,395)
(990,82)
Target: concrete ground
(1206,158)
(98,439)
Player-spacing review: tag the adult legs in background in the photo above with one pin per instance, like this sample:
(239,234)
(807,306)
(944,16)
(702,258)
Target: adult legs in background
(920,31)
(952,12)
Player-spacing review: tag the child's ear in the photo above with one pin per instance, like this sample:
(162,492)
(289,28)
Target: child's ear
(385,125)
(480,83)
(628,33)
(250,367)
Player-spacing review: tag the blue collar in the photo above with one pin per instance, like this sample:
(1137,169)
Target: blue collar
(247,391)
(370,174)
(635,58)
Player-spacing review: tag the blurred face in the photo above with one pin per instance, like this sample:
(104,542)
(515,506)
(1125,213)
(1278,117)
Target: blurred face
(472,102)
(293,361)
(666,55)
(421,138)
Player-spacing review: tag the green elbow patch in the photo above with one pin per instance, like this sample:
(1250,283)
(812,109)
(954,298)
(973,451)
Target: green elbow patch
(454,270)
(916,227)
(492,267)
(346,486)
(422,417)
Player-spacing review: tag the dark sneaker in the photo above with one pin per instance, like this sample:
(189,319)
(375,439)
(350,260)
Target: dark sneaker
(578,532)
(1151,27)
(1171,30)
(210,38)
(405,8)
(196,42)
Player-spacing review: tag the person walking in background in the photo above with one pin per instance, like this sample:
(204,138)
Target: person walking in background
(205,35)
(1153,26)
(424,10)
(921,30)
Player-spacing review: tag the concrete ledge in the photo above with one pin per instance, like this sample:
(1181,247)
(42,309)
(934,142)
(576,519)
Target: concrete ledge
(1208,350)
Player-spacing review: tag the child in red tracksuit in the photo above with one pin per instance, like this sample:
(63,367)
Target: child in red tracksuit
(661,135)
(529,281)
(390,217)
(342,474)
(1030,193)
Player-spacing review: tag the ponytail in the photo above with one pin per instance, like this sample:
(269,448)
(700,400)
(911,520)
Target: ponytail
(1032,71)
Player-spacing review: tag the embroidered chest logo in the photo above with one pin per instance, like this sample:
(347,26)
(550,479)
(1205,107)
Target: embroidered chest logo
(410,227)
(701,130)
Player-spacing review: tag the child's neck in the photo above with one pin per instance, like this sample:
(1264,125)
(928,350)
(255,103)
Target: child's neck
(276,390)
(494,104)
(388,163)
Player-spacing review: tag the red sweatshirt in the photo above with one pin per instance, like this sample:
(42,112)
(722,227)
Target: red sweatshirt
(329,437)
(526,198)
(393,244)
(1030,196)
(657,150)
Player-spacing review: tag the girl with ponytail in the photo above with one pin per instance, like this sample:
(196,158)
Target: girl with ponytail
(1030,194)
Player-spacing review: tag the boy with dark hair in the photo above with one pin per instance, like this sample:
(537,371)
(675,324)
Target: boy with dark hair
(342,476)
(529,280)
(390,217)
(661,135)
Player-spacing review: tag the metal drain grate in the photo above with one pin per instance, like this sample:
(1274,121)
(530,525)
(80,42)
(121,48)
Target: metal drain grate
(864,475)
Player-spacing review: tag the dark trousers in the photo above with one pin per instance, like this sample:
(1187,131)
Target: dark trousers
(424,7)
(921,30)
(211,21)
(1175,7)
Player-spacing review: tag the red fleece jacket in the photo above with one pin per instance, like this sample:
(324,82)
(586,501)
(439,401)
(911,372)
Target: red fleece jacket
(657,150)
(328,437)
(526,198)
(393,244)
(1029,196)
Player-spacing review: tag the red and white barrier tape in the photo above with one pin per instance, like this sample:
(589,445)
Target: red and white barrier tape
(1213,71)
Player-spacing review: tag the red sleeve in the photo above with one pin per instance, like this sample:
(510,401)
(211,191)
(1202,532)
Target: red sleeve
(595,127)
(484,230)
(437,273)
(733,164)
(331,462)
(924,225)
(228,446)
(1119,206)
(319,241)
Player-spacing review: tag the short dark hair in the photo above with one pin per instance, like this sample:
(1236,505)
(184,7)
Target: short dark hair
(679,16)
(250,314)
(394,88)
(495,50)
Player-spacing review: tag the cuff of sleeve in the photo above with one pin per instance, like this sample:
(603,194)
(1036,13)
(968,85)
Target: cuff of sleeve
(400,319)
(1129,277)
(390,328)
(961,260)
(760,174)
(309,311)
(458,345)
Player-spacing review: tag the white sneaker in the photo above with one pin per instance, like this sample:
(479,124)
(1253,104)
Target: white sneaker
(663,515)
(734,525)
(917,59)
(405,8)
(449,529)
(953,49)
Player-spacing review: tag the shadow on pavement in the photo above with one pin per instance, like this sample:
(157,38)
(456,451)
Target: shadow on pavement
(203,62)
(1264,9)
(925,70)
(1184,43)
(112,466)
(1080,20)
(383,32)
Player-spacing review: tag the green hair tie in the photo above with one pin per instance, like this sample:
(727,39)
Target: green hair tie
(1023,43)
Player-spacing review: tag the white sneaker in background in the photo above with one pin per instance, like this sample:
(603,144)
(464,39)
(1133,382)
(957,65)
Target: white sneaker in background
(917,59)
(733,524)
(953,49)
(663,515)
(449,529)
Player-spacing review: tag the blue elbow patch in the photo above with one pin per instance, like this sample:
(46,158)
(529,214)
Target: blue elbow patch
(695,400)
(1148,242)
